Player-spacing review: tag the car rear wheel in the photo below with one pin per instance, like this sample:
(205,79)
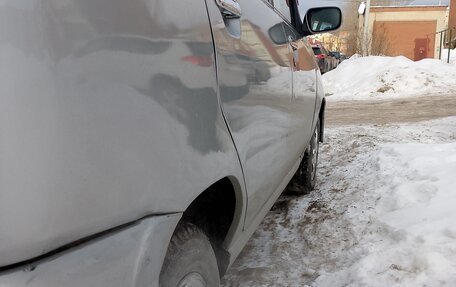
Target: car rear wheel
(190,260)
(311,160)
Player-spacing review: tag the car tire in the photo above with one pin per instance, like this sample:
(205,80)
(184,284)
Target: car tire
(190,260)
(310,161)
(306,175)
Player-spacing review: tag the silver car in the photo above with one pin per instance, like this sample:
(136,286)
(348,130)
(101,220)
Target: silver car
(143,141)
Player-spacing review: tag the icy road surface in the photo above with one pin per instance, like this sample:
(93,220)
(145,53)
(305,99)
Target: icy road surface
(382,214)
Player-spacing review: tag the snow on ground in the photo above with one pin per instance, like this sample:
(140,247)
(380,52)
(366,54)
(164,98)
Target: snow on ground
(452,56)
(382,214)
(377,77)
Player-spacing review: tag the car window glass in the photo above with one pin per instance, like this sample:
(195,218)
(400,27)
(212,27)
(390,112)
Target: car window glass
(316,50)
(290,32)
(302,9)
(283,8)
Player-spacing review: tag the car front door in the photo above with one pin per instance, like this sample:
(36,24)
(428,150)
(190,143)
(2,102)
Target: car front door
(256,94)
(304,69)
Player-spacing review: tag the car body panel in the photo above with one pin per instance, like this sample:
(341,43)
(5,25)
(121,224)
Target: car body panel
(259,115)
(304,79)
(130,257)
(116,112)
(109,113)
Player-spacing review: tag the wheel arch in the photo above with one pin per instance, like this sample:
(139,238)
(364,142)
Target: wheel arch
(218,212)
(321,116)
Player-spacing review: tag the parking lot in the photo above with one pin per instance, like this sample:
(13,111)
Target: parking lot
(390,111)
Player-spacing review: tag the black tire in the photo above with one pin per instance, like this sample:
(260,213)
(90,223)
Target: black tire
(189,259)
(306,176)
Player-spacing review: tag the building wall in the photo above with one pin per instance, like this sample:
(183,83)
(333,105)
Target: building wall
(406,24)
(402,36)
(452,14)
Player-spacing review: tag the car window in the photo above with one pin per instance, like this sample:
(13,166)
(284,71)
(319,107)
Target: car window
(302,9)
(316,50)
(283,7)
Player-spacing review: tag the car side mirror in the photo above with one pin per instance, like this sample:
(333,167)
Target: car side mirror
(277,35)
(322,19)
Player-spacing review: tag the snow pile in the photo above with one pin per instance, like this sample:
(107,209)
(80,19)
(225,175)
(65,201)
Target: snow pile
(382,214)
(410,235)
(415,242)
(418,207)
(452,56)
(377,77)
(354,56)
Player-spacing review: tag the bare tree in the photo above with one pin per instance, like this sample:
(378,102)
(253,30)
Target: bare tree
(380,44)
(332,42)
(354,43)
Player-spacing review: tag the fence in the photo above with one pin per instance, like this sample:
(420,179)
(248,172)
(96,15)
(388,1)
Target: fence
(447,40)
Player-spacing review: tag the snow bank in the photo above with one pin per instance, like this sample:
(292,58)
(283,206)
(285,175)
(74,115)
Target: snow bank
(410,238)
(382,214)
(452,56)
(417,208)
(376,77)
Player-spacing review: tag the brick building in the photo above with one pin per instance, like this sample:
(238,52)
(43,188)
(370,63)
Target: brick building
(452,20)
(452,14)
(410,31)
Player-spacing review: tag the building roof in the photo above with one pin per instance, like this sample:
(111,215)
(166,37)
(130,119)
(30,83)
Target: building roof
(401,3)
(410,8)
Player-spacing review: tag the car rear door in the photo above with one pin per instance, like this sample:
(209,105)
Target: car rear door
(109,113)
(256,93)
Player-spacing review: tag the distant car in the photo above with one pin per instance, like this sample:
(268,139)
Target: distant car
(336,55)
(324,59)
(334,61)
(343,57)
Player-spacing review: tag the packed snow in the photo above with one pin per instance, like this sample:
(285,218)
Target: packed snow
(382,214)
(383,210)
(379,78)
(452,56)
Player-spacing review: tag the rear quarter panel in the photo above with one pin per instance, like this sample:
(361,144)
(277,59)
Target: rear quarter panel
(104,117)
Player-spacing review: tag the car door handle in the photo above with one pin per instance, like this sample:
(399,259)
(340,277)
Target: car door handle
(292,43)
(230,9)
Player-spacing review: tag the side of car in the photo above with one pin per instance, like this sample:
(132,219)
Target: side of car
(145,140)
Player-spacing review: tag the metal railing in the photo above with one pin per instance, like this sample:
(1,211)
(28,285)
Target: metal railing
(447,40)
